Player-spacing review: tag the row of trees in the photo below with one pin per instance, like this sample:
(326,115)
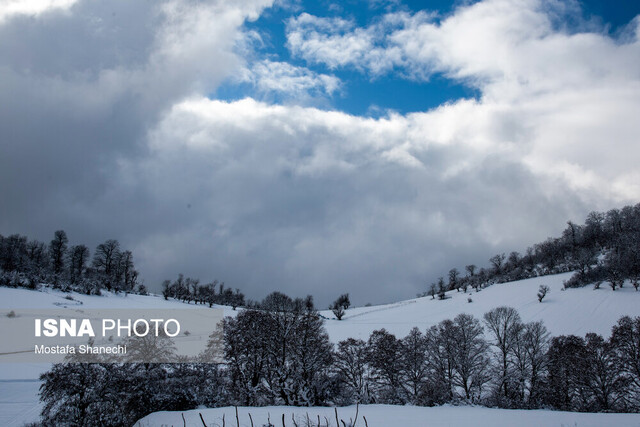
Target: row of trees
(606,248)
(190,290)
(26,263)
(280,354)
(500,361)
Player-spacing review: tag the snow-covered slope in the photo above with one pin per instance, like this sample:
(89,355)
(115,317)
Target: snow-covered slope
(570,311)
(13,298)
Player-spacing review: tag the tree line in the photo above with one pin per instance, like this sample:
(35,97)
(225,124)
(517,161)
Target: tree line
(605,249)
(27,263)
(190,290)
(280,354)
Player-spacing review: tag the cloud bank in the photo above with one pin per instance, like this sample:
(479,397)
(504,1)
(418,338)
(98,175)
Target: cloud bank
(111,133)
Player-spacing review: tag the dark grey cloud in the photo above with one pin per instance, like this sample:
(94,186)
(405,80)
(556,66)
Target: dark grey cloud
(305,201)
(81,86)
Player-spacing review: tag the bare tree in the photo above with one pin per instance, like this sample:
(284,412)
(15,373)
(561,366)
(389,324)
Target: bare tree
(626,338)
(126,275)
(536,339)
(78,256)
(497,263)
(432,291)
(605,380)
(504,324)
(470,355)
(441,349)
(530,360)
(57,251)
(340,305)
(415,367)
(384,353)
(454,274)
(105,261)
(442,290)
(350,363)
(543,290)
(471,269)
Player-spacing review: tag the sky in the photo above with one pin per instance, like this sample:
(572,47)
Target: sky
(315,147)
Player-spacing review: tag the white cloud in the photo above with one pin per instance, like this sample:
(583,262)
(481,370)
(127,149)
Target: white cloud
(281,77)
(11,8)
(180,47)
(336,42)
(569,97)
(301,199)
(307,196)
(502,42)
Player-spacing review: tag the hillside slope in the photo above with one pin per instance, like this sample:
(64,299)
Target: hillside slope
(570,311)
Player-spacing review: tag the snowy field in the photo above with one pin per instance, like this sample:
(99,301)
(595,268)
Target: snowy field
(15,298)
(388,415)
(19,402)
(19,383)
(572,311)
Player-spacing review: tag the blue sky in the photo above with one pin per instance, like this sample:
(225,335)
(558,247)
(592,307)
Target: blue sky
(375,95)
(315,147)
(362,94)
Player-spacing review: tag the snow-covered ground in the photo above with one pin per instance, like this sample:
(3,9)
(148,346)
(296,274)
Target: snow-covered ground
(19,382)
(13,298)
(571,311)
(19,402)
(388,415)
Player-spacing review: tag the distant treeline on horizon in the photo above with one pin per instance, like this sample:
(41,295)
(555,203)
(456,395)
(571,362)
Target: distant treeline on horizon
(606,248)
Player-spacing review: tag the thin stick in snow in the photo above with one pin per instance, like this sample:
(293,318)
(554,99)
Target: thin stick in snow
(184,422)
(250,419)
(202,419)
(337,422)
(365,421)
(237,418)
(357,408)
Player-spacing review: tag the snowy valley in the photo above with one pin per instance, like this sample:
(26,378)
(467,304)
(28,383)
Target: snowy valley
(563,311)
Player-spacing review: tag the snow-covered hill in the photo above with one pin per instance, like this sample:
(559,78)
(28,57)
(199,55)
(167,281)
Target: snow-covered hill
(570,311)
(15,298)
